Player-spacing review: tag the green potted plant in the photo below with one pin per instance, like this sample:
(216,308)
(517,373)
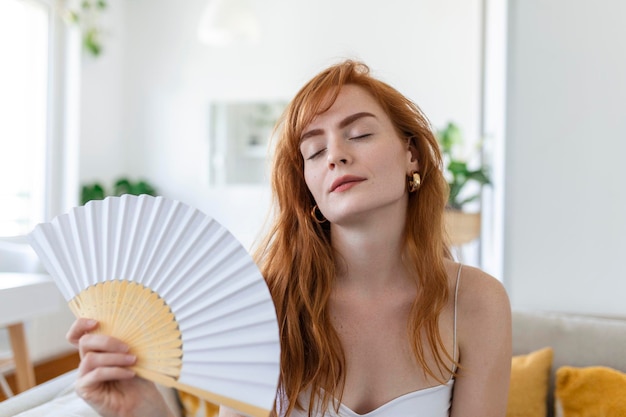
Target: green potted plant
(462,225)
(96,191)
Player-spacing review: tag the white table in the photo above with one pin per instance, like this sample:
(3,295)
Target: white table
(23,297)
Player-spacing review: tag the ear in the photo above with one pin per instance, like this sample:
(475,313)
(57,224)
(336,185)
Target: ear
(413,156)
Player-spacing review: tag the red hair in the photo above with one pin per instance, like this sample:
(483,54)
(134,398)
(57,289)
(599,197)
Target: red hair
(297,260)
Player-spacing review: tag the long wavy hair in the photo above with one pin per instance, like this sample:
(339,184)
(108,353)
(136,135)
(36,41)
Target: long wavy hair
(297,260)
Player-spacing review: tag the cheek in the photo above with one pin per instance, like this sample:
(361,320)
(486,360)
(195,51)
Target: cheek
(395,165)
(393,172)
(396,180)
(312,182)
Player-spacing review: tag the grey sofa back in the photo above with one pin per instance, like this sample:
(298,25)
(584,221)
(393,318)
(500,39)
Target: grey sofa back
(577,340)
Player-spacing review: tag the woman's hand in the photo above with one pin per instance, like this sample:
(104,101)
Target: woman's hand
(105,380)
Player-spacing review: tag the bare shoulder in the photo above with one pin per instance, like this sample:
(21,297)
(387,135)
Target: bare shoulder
(480,293)
(483,305)
(484,341)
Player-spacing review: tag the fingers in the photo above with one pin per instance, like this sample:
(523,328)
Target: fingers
(104,373)
(79,336)
(97,366)
(80,327)
(91,385)
(100,343)
(101,367)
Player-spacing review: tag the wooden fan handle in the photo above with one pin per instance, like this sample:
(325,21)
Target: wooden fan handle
(164,380)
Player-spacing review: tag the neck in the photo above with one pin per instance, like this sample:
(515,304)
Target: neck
(370,252)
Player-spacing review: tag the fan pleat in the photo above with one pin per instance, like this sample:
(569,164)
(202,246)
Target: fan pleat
(177,287)
(119,211)
(148,225)
(171,257)
(243,285)
(224,335)
(63,226)
(195,253)
(196,281)
(159,227)
(52,255)
(94,236)
(131,223)
(256,327)
(256,311)
(230,387)
(259,353)
(200,261)
(224,279)
(117,241)
(198,288)
(66,247)
(248,373)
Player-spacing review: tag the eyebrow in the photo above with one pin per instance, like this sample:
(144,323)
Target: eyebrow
(345,122)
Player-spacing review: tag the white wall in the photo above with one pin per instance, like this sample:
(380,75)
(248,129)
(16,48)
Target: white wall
(103,142)
(565,216)
(428,49)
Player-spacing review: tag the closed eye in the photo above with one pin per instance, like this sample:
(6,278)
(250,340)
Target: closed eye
(361,136)
(316,154)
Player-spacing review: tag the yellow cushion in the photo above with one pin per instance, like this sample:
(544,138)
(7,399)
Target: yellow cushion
(591,391)
(195,407)
(530,376)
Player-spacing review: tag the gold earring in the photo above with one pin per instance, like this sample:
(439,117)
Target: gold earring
(314,212)
(414,182)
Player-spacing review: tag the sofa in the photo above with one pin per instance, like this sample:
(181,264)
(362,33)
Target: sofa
(586,367)
(574,340)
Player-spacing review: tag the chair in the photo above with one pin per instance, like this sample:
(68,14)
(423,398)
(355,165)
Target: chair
(15,256)
(6,365)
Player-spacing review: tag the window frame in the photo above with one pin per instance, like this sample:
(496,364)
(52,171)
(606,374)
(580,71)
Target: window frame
(60,156)
(61,186)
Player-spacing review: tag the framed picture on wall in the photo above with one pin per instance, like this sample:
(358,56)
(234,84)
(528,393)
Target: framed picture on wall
(239,141)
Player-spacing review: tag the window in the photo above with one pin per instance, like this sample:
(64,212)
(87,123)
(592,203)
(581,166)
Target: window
(24,83)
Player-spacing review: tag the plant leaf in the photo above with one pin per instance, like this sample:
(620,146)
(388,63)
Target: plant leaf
(91,42)
(468,200)
(90,192)
(458,167)
(479,176)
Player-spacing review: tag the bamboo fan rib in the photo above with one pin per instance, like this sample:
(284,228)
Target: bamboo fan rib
(177,287)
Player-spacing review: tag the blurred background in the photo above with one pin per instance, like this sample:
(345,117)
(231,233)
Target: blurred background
(181,93)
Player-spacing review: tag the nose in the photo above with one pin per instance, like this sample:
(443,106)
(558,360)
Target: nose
(337,154)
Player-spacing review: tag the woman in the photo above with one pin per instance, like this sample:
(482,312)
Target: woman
(375,317)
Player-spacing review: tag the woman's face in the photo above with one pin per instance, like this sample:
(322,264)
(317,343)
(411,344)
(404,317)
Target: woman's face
(355,164)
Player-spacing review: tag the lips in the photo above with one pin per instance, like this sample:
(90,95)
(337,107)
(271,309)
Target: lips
(345,182)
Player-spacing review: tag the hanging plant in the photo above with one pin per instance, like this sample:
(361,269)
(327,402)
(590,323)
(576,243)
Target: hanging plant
(87,15)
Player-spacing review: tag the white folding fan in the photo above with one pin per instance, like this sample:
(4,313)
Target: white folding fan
(177,287)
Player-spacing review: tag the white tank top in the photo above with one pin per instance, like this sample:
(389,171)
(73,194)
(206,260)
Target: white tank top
(432,402)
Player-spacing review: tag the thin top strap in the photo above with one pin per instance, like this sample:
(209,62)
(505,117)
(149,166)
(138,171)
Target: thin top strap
(456,297)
